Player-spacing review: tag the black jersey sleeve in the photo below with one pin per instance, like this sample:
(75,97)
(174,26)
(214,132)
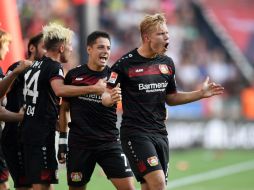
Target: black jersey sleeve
(171,87)
(56,72)
(68,81)
(115,75)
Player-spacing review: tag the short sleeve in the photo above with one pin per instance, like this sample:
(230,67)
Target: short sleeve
(56,72)
(115,75)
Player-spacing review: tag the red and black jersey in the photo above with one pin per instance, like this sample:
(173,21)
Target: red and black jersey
(42,105)
(145,83)
(15,101)
(92,124)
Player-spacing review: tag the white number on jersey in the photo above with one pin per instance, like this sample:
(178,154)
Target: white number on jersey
(27,91)
(125,159)
(30,110)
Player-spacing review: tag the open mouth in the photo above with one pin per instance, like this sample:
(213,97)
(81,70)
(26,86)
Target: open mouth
(166,45)
(103,58)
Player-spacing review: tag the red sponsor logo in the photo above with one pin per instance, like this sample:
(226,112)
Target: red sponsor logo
(141,166)
(4,175)
(46,175)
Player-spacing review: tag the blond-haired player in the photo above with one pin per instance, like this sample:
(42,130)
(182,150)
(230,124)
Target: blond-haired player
(147,78)
(44,83)
(5,40)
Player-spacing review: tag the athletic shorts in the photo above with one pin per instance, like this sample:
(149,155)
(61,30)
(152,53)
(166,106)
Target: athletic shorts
(81,163)
(14,157)
(41,164)
(146,154)
(4,172)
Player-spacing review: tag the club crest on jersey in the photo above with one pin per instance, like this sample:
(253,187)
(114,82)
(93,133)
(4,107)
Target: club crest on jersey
(152,161)
(163,68)
(113,77)
(76,176)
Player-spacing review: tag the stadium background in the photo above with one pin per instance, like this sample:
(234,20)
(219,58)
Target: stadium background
(212,141)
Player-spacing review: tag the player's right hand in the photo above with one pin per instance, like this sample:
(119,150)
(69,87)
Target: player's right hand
(62,148)
(100,86)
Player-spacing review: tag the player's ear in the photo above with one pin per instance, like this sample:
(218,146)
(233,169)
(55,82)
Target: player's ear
(31,48)
(146,37)
(88,49)
(61,48)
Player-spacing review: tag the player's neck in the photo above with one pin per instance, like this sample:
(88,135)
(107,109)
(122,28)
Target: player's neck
(145,51)
(53,55)
(94,67)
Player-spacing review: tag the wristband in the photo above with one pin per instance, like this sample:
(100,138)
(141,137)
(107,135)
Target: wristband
(63,138)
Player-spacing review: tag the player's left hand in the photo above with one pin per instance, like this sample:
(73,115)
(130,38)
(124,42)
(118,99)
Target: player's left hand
(211,88)
(116,94)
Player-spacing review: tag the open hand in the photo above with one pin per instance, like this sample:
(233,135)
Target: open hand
(211,88)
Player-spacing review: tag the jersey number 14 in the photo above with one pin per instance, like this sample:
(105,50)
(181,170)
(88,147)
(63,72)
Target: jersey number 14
(31,91)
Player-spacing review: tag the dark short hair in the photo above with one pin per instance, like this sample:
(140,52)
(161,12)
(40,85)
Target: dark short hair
(95,35)
(35,40)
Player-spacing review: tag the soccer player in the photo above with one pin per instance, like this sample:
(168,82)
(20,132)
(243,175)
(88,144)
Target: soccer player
(5,40)
(44,83)
(6,115)
(147,79)
(93,136)
(11,145)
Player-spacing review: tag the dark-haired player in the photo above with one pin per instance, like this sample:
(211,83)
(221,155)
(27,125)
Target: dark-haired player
(147,79)
(12,147)
(93,136)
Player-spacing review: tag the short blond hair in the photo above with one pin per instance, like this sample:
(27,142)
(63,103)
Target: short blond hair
(149,23)
(4,37)
(54,33)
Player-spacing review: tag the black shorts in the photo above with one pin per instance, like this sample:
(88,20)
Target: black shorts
(14,157)
(41,164)
(4,172)
(146,154)
(81,163)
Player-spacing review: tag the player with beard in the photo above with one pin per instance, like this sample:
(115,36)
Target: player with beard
(147,79)
(5,115)
(12,147)
(93,136)
(44,83)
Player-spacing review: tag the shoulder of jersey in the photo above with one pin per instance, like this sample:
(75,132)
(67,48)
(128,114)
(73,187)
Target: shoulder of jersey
(126,57)
(76,69)
(168,59)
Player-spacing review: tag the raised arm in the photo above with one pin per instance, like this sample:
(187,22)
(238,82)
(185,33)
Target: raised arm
(8,80)
(62,90)
(208,89)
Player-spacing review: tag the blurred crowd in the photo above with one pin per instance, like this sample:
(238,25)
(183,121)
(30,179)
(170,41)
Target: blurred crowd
(195,49)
